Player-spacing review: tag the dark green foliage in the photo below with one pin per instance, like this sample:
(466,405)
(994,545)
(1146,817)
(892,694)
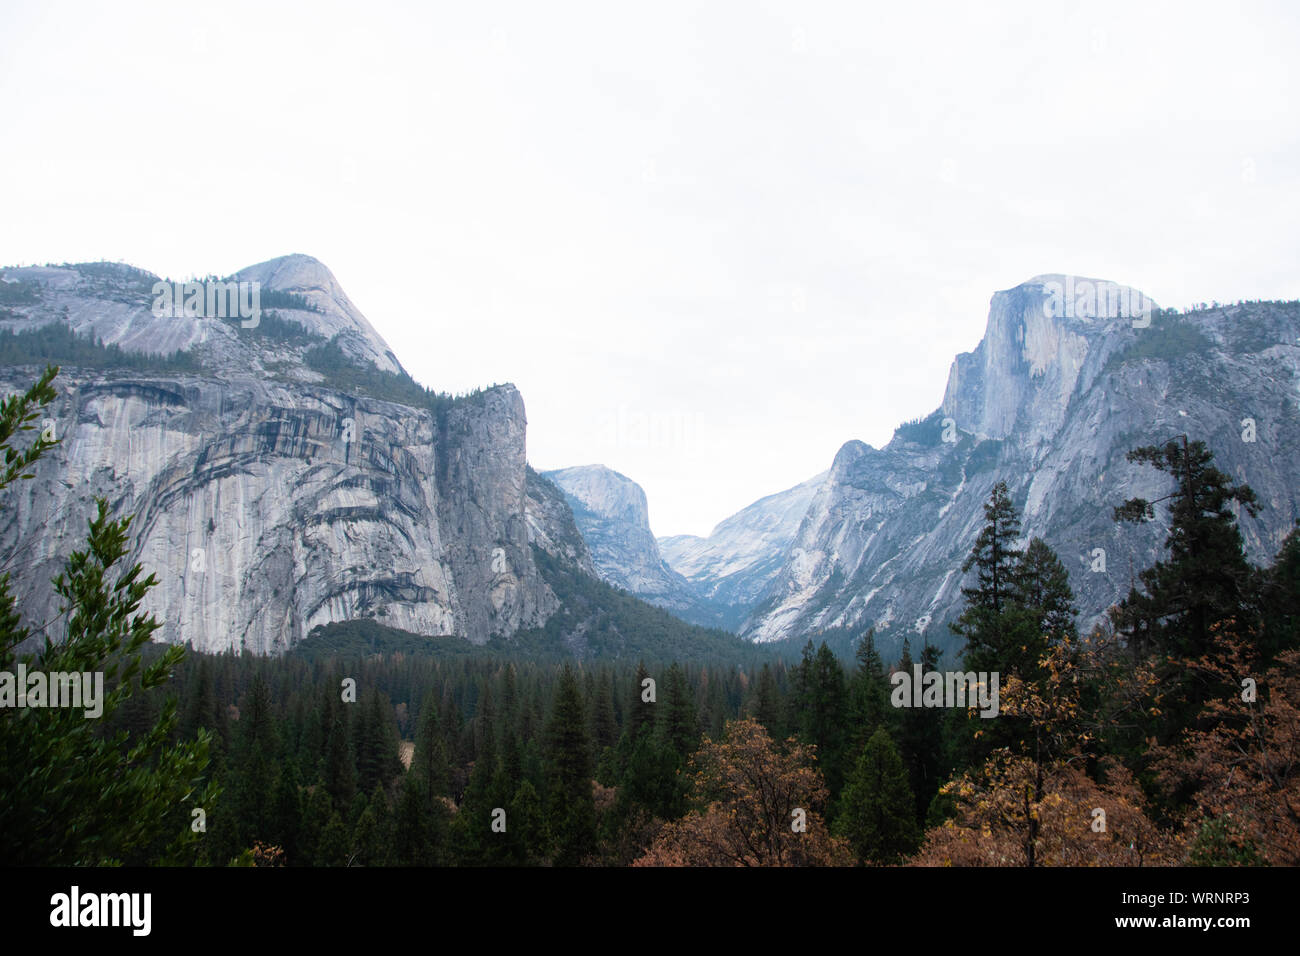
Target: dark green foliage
(994,557)
(1038,613)
(351,640)
(75,791)
(271,326)
(277,299)
(376,743)
(1205,583)
(984,456)
(676,725)
(822,707)
(878,811)
(768,706)
(921,737)
(1169,338)
(57,343)
(869,705)
(922,431)
(598,621)
(348,374)
(1219,842)
(334,846)
(526,833)
(1279,595)
(286,813)
(571,808)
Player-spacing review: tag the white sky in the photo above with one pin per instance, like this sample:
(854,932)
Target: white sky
(709,242)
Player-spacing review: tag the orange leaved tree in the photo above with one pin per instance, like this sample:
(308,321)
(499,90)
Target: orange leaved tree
(754,805)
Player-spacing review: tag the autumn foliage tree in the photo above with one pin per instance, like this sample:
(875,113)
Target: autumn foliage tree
(1035,804)
(755,804)
(1242,765)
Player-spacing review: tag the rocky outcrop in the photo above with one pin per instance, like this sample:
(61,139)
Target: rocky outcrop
(1050,402)
(731,568)
(611,512)
(268,500)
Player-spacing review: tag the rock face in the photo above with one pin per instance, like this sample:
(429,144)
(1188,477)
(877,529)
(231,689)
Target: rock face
(1049,402)
(267,498)
(611,513)
(731,568)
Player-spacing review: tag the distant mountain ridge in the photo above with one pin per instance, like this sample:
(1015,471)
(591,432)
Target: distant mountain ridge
(1050,402)
(733,566)
(1070,375)
(611,512)
(289,476)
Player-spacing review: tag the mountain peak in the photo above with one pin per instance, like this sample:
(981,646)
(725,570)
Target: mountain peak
(333,312)
(1038,338)
(292,273)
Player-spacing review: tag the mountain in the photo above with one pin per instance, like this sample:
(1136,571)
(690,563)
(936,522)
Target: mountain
(611,513)
(283,476)
(731,568)
(1061,387)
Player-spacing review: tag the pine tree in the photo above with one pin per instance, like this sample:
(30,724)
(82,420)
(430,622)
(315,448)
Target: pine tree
(73,794)
(604,732)
(339,765)
(316,815)
(334,847)
(526,827)
(995,558)
(1203,588)
(1041,610)
(920,737)
(1279,591)
(377,760)
(477,844)
(878,810)
(572,810)
(676,725)
(640,712)
(868,693)
(256,752)
(1206,580)
(429,758)
(286,812)
(822,703)
(767,704)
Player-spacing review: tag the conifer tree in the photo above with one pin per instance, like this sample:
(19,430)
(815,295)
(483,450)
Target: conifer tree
(334,846)
(822,703)
(1279,591)
(878,810)
(572,811)
(920,736)
(286,812)
(1041,610)
(377,760)
(767,704)
(640,712)
(676,725)
(868,693)
(1206,579)
(995,558)
(1204,588)
(73,794)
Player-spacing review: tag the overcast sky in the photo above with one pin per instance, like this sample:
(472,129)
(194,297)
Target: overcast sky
(709,242)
